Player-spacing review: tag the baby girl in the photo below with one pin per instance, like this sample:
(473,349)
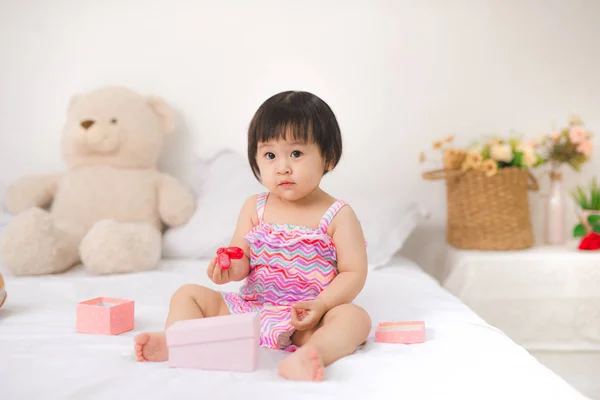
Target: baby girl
(304,252)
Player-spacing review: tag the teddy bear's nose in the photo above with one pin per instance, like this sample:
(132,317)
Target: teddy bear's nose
(87,123)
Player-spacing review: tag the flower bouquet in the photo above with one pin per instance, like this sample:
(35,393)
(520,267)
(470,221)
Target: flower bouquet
(571,146)
(488,156)
(486,187)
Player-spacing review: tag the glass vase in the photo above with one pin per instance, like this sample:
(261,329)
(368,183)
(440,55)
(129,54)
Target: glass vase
(555,211)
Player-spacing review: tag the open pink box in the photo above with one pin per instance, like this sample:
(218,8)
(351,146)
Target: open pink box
(226,343)
(105,316)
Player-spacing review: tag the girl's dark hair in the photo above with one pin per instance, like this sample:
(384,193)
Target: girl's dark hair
(302,115)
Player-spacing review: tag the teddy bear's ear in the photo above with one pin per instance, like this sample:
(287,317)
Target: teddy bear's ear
(74,99)
(165,113)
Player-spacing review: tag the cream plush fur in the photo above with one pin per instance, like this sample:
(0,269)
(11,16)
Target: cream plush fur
(110,207)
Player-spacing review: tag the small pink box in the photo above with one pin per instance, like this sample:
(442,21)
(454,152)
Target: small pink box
(408,332)
(105,316)
(226,343)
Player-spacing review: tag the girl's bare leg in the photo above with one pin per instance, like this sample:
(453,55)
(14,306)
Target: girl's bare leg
(188,302)
(341,331)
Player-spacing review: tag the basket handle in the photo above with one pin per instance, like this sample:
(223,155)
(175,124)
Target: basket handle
(532,183)
(439,174)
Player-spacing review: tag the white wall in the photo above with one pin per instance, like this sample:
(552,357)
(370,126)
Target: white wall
(399,74)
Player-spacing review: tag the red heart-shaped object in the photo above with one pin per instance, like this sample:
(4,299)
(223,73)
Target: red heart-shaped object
(235,252)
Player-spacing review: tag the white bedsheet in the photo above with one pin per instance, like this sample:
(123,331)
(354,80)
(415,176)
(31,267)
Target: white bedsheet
(42,357)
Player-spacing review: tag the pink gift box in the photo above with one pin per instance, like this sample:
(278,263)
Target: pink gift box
(105,316)
(226,343)
(408,332)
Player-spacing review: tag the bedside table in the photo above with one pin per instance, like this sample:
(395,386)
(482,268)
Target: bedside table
(543,298)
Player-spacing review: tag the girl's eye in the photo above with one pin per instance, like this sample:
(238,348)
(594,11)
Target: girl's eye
(296,154)
(270,156)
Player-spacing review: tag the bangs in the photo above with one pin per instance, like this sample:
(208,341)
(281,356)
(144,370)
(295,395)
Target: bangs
(284,123)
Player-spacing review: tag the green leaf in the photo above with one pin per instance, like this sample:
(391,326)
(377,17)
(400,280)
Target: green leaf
(583,201)
(514,141)
(540,161)
(486,152)
(588,197)
(595,195)
(579,230)
(596,228)
(518,160)
(594,219)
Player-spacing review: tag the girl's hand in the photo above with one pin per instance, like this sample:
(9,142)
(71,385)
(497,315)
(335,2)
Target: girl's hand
(307,314)
(217,274)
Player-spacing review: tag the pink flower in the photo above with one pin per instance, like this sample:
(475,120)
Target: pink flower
(585,147)
(555,136)
(577,134)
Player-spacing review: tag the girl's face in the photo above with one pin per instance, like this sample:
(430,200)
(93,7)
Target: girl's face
(291,170)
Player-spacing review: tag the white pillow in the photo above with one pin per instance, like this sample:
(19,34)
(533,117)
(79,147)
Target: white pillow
(387,221)
(386,229)
(228,181)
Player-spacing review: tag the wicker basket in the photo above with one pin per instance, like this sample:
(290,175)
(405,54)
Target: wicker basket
(488,213)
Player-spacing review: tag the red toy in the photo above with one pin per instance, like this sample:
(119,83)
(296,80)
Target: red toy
(590,242)
(225,254)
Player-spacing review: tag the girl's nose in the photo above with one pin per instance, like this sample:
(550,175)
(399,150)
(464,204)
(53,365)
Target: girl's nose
(283,169)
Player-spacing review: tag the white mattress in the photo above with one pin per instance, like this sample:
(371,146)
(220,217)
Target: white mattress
(42,357)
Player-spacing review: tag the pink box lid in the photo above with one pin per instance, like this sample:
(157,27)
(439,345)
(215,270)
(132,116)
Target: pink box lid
(401,326)
(200,330)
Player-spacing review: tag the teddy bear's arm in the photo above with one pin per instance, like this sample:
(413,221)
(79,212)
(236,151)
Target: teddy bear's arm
(31,191)
(176,203)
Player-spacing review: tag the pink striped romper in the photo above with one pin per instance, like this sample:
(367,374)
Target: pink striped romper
(288,264)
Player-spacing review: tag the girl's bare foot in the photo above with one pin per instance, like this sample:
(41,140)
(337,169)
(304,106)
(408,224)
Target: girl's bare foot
(304,364)
(151,347)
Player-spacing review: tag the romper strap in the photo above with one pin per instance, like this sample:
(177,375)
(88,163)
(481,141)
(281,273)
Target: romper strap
(329,214)
(261,200)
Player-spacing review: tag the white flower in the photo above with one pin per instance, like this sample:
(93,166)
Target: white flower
(501,152)
(524,147)
(529,156)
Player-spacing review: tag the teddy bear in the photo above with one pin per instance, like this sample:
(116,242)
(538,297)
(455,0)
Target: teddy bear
(110,207)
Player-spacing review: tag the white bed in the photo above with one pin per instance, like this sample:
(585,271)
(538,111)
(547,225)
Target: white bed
(41,356)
